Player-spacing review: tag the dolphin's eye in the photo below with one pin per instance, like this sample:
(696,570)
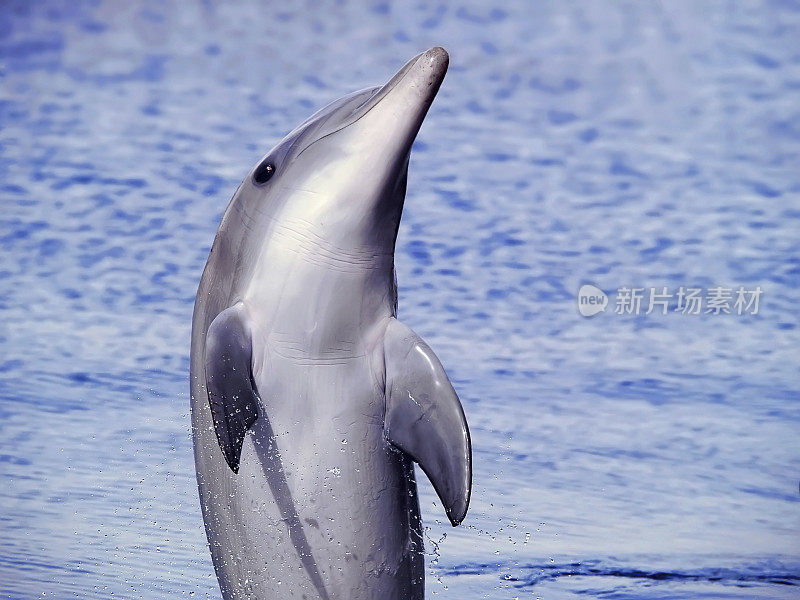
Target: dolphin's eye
(264,172)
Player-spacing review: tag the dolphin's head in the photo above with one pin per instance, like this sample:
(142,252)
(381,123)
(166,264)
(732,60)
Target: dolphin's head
(343,171)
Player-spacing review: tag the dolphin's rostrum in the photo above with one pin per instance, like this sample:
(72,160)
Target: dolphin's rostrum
(310,400)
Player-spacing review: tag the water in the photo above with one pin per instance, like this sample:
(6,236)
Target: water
(624,144)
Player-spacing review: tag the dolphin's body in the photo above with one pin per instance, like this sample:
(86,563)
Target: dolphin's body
(309,399)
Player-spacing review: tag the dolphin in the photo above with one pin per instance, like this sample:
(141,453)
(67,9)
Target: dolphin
(311,402)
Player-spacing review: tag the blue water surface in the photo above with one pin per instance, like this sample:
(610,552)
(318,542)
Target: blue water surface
(620,144)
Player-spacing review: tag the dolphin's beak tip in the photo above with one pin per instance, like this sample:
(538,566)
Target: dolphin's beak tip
(439,52)
(438,57)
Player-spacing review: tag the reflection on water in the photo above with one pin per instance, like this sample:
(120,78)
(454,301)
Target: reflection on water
(623,145)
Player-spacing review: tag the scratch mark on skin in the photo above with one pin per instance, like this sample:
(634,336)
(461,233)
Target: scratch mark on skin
(308,229)
(317,360)
(323,261)
(286,346)
(272,466)
(414,400)
(291,188)
(290,344)
(314,247)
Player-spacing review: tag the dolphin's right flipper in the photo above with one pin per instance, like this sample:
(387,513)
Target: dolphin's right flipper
(424,417)
(229,381)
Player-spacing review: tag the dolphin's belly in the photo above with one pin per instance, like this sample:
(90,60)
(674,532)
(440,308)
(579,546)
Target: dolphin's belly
(319,495)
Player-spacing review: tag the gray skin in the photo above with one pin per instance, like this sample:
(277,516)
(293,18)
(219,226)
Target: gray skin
(310,400)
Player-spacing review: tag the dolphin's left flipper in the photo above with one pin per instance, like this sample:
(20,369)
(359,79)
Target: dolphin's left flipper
(424,417)
(229,380)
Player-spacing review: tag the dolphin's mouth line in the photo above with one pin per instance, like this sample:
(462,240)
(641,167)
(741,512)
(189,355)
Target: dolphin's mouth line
(380,91)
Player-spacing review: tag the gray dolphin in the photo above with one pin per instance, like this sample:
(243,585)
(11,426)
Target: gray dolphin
(310,400)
